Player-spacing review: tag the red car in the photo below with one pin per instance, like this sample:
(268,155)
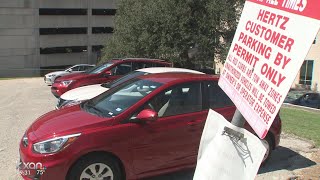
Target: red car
(104,73)
(145,127)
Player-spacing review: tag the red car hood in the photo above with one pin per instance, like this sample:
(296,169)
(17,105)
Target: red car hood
(66,121)
(74,77)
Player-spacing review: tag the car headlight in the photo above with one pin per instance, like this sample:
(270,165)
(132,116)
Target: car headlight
(66,83)
(55,144)
(25,140)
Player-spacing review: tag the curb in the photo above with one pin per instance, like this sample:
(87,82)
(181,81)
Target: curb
(301,108)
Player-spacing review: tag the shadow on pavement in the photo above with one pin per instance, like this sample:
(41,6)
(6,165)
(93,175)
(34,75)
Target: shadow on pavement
(285,158)
(281,158)
(181,175)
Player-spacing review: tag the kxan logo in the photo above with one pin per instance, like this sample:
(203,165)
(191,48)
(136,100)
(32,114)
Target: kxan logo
(298,5)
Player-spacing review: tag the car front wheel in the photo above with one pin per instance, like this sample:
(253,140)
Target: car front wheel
(96,168)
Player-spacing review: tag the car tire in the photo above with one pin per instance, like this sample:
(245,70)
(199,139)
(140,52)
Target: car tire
(269,144)
(92,166)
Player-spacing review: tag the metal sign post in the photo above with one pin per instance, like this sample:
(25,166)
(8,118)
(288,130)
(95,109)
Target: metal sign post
(237,119)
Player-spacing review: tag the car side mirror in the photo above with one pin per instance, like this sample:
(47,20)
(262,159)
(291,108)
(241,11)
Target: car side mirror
(147,115)
(68,70)
(107,74)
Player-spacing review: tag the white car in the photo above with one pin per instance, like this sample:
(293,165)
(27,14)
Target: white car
(77,95)
(50,77)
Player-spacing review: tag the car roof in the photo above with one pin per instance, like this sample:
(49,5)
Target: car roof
(168,69)
(178,77)
(83,65)
(138,59)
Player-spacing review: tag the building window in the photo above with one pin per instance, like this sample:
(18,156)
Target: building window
(306,72)
(104,11)
(102,30)
(52,31)
(70,49)
(53,11)
(97,48)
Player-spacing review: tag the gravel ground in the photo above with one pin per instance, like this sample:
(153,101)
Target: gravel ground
(24,100)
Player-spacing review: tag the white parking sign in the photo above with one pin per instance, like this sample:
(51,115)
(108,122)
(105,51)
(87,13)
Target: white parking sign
(272,39)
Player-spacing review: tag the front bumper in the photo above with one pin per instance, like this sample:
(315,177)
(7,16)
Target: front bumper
(57,90)
(41,167)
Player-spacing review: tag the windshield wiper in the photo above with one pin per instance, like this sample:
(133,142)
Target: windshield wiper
(106,85)
(89,105)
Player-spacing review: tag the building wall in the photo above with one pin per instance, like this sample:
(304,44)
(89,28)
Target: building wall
(314,54)
(18,48)
(22,45)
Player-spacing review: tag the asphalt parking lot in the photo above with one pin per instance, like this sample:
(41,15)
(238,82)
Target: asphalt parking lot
(24,100)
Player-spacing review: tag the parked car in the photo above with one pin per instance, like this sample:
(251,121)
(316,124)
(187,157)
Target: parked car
(309,100)
(104,73)
(147,126)
(294,94)
(50,77)
(77,95)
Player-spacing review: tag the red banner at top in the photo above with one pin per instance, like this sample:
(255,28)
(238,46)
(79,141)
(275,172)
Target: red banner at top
(308,8)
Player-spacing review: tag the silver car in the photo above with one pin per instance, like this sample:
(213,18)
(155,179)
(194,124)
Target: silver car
(50,77)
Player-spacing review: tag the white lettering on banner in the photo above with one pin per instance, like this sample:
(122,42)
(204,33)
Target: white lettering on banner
(299,5)
(273,2)
(265,56)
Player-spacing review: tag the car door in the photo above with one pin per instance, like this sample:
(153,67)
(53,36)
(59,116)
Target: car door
(173,139)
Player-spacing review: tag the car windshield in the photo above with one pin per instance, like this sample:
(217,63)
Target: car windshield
(123,79)
(69,67)
(120,98)
(99,69)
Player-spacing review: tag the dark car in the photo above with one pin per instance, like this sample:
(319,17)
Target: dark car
(146,126)
(104,73)
(309,100)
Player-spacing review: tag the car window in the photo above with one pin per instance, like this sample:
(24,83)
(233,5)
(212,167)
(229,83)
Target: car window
(159,65)
(313,97)
(141,65)
(87,67)
(217,97)
(122,97)
(122,69)
(99,69)
(81,68)
(181,99)
(123,79)
(84,68)
(76,68)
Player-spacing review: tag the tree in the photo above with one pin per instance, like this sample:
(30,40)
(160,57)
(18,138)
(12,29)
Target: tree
(186,32)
